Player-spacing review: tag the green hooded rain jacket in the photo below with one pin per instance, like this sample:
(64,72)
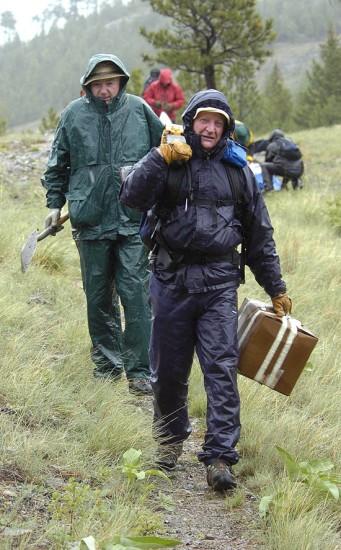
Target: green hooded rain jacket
(93,141)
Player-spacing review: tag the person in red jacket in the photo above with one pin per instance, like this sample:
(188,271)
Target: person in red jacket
(165,95)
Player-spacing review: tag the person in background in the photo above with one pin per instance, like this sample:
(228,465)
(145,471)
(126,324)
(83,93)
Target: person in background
(99,134)
(154,75)
(282,158)
(165,95)
(243,134)
(196,272)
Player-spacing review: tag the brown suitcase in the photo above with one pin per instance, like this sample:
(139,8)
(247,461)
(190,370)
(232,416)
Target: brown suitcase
(273,350)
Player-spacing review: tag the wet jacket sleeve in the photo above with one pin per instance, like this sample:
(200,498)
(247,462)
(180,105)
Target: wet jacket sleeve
(261,255)
(56,176)
(145,184)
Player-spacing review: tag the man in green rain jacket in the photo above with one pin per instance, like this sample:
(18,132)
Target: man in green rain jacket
(99,134)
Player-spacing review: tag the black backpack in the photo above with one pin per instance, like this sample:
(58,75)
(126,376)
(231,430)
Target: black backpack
(288,149)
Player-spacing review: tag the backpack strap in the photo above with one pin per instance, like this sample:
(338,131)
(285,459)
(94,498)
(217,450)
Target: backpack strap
(179,174)
(236,179)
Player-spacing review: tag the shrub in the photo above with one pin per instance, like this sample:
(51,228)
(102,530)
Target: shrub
(50,121)
(334,213)
(3,126)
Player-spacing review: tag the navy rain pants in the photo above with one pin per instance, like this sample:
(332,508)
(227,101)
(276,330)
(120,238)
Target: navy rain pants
(206,323)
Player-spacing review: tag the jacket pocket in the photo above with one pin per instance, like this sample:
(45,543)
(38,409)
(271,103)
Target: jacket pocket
(221,232)
(229,228)
(89,198)
(180,226)
(82,210)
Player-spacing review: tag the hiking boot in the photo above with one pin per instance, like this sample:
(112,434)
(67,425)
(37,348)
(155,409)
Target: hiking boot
(167,456)
(220,476)
(140,386)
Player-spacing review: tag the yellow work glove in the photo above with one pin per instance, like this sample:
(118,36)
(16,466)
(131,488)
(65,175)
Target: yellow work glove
(172,133)
(176,151)
(282,304)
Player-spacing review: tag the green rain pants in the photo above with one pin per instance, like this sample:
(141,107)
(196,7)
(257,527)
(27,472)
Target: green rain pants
(110,267)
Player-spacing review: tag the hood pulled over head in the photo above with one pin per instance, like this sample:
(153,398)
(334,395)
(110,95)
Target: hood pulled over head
(102,67)
(212,100)
(166,77)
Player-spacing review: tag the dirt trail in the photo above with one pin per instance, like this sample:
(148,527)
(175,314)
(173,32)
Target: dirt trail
(201,518)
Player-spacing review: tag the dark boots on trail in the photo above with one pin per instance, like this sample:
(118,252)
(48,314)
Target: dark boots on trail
(220,476)
(167,456)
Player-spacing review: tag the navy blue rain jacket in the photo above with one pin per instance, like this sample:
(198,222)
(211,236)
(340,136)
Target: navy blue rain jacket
(197,227)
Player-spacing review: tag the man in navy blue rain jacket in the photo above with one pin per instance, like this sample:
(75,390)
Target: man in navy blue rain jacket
(196,274)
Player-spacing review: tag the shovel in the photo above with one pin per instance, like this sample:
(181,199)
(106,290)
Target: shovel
(30,246)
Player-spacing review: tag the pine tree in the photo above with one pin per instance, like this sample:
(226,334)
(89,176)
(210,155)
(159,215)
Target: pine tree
(8,23)
(207,35)
(135,83)
(50,121)
(277,103)
(319,102)
(3,125)
(242,92)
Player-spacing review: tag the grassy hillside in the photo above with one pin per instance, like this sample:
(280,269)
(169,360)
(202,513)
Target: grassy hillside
(63,433)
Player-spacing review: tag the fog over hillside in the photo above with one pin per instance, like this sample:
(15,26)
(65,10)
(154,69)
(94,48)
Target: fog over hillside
(45,71)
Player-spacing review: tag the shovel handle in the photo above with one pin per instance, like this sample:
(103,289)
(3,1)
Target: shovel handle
(50,230)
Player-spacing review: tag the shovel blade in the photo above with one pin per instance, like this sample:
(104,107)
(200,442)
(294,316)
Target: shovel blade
(28,250)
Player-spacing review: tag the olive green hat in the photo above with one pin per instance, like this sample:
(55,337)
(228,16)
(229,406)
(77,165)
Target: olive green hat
(103,71)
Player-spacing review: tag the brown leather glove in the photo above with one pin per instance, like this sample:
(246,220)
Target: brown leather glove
(176,151)
(282,304)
